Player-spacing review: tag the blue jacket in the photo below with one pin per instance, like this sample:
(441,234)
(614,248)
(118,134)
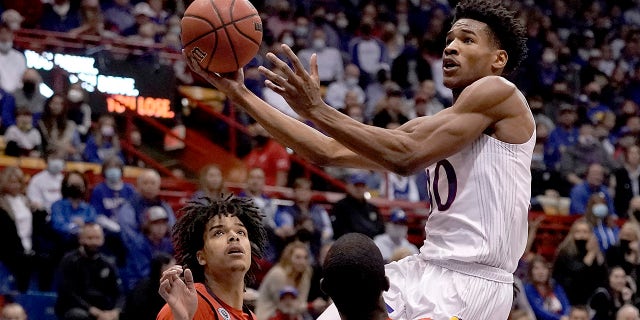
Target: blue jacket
(537,302)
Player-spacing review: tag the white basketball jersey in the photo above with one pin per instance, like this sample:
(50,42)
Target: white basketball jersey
(479,207)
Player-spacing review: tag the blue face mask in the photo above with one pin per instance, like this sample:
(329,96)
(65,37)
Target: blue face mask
(113,175)
(600,210)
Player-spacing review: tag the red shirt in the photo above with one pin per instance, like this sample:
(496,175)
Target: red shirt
(209,308)
(273,157)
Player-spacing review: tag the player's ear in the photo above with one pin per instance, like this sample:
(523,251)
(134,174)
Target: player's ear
(323,285)
(201,260)
(501,59)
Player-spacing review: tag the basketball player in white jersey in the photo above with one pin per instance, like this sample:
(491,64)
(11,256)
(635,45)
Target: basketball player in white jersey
(476,153)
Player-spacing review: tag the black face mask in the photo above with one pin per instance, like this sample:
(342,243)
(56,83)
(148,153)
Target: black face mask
(625,245)
(260,140)
(581,245)
(29,87)
(75,191)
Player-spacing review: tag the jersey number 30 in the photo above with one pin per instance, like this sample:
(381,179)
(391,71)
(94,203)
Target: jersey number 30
(434,193)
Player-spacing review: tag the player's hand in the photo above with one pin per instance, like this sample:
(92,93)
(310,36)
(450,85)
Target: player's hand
(180,295)
(299,88)
(229,83)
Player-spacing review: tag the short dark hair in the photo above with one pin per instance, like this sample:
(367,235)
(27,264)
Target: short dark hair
(507,30)
(353,275)
(188,232)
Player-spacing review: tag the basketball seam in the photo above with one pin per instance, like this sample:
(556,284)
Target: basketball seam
(215,8)
(214,29)
(245,34)
(231,44)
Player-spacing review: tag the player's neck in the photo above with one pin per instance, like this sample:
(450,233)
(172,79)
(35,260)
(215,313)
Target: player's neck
(230,289)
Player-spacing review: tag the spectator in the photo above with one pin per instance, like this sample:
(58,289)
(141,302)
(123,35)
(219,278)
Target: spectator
(7,109)
(92,22)
(330,64)
(408,188)
(394,237)
(577,159)
(44,187)
(24,232)
(425,100)
(607,300)
(29,96)
(144,302)
(368,52)
(287,306)
(293,269)
(13,61)
(103,142)
(390,111)
(625,180)
(120,15)
(22,139)
(563,136)
(580,265)
(13,19)
(70,213)
(143,14)
(13,311)
(337,90)
(626,252)
(268,155)
(60,16)
(628,312)
(304,220)
(147,196)
(354,213)
(211,184)
(579,313)
(548,300)
(89,285)
(594,183)
(78,110)
(254,190)
(281,20)
(603,223)
(58,132)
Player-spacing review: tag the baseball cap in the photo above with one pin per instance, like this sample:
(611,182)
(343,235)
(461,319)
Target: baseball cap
(359,177)
(144,9)
(156,213)
(288,290)
(398,216)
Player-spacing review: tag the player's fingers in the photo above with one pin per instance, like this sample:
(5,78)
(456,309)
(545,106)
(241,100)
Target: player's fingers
(188,280)
(164,289)
(288,74)
(314,67)
(297,65)
(274,78)
(276,88)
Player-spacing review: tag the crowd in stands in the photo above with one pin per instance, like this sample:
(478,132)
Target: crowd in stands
(101,246)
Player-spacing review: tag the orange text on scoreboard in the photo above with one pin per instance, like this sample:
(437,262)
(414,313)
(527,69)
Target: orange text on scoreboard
(144,106)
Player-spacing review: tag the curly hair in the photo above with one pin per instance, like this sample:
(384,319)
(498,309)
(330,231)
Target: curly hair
(188,232)
(506,29)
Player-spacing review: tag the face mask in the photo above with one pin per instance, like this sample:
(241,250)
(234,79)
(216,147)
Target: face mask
(396,231)
(106,130)
(29,87)
(625,245)
(351,81)
(537,157)
(301,31)
(75,95)
(342,23)
(75,191)
(318,44)
(549,57)
(5,46)
(55,166)
(113,175)
(581,245)
(600,210)
(288,41)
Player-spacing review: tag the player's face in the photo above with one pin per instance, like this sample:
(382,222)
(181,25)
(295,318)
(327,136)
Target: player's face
(469,55)
(226,246)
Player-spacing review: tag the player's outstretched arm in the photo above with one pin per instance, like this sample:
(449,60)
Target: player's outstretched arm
(306,141)
(417,143)
(180,295)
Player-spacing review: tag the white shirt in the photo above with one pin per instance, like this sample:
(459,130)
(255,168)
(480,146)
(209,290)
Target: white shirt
(26,140)
(23,219)
(330,64)
(13,64)
(44,189)
(337,90)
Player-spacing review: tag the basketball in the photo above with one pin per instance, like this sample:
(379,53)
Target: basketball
(222,35)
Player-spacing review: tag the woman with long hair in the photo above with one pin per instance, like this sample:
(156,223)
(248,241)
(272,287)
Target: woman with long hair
(580,265)
(603,223)
(211,183)
(57,130)
(293,269)
(548,300)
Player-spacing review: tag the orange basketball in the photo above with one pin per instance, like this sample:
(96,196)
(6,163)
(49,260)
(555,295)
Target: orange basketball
(222,35)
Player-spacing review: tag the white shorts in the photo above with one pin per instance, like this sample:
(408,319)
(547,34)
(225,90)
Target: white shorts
(422,290)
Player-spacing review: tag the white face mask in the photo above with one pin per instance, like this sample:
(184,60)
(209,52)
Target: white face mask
(600,210)
(318,44)
(5,46)
(75,95)
(288,41)
(396,231)
(55,166)
(351,81)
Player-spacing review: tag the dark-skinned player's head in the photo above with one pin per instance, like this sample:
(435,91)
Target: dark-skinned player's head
(353,276)
(189,231)
(505,29)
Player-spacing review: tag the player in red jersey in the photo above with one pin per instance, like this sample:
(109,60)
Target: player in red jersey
(214,243)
